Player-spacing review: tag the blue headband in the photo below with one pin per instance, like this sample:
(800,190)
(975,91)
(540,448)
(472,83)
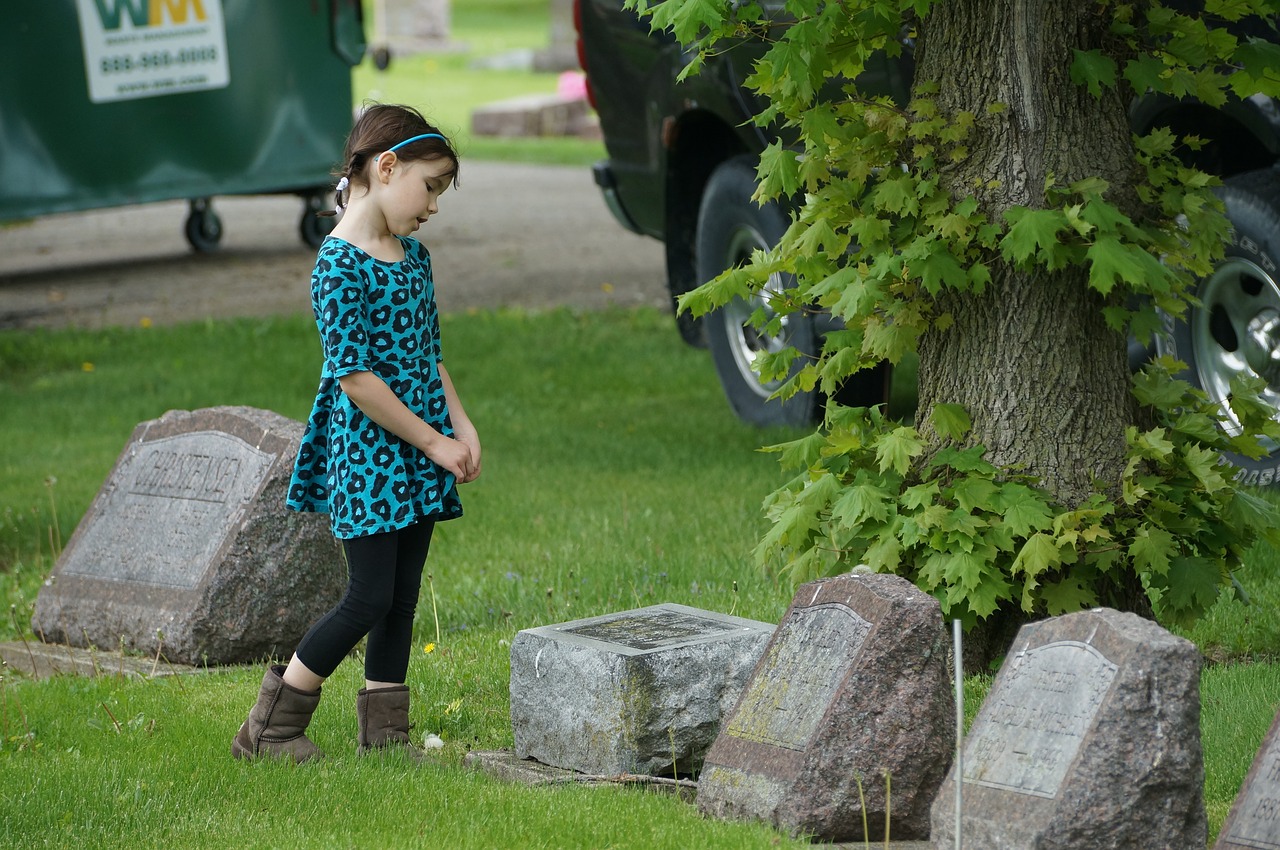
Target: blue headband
(418,138)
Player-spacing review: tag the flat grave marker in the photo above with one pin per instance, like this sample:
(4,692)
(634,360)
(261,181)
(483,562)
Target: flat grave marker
(636,692)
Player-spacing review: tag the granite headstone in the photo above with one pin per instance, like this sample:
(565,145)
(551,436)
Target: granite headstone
(1254,821)
(641,691)
(1089,737)
(188,550)
(853,687)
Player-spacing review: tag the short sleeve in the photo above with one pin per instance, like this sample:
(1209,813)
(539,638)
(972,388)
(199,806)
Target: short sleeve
(341,306)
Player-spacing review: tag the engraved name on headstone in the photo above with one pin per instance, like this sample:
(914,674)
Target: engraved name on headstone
(188,548)
(854,685)
(1254,821)
(650,628)
(1089,737)
(798,676)
(170,510)
(1033,730)
(638,691)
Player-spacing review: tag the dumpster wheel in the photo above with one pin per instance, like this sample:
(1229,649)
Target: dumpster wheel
(313,228)
(203,227)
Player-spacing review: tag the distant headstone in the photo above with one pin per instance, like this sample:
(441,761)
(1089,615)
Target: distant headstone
(1254,822)
(188,549)
(1090,737)
(415,26)
(562,52)
(641,691)
(853,687)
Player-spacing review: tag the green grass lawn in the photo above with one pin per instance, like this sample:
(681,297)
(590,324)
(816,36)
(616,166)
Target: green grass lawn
(615,477)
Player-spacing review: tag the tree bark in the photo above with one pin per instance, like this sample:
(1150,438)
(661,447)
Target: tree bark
(1043,378)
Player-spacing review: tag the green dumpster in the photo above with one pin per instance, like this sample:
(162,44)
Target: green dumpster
(106,103)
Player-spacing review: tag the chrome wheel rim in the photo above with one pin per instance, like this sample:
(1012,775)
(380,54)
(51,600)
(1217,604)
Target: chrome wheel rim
(746,343)
(1236,330)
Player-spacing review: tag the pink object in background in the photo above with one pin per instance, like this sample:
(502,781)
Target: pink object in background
(572,85)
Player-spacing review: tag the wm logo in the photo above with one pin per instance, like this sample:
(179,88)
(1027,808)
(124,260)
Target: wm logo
(149,13)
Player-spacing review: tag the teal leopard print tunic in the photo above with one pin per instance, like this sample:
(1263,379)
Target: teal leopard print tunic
(377,317)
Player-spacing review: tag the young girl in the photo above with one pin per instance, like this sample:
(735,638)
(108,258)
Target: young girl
(387,441)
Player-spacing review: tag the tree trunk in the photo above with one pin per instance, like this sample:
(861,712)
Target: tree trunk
(1043,378)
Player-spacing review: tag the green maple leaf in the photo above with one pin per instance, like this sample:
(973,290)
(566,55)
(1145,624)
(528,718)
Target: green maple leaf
(938,268)
(896,449)
(803,453)
(1145,73)
(1093,70)
(1111,260)
(920,495)
(983,592)
(1038,555)
(968,460)
(1026,515)
(1067,595)
(951,421)
(885,555)
(1193,585)
(1203,465)
(1031,233)
(896,195)
(1246,510)
(688,19)
(1152,549)
(974,493)
(859,503)
(779,171)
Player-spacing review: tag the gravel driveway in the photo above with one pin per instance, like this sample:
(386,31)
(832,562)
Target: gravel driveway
(512,235)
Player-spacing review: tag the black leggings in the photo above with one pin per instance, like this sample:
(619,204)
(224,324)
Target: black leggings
(384,575)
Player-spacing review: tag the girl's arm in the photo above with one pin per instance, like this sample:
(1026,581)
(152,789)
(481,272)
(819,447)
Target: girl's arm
(376,400)
(463,429)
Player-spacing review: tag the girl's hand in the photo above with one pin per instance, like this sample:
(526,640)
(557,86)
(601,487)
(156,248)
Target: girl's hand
(471,440)
(454,456)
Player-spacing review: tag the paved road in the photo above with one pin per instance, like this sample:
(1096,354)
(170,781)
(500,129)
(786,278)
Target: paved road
(512,235)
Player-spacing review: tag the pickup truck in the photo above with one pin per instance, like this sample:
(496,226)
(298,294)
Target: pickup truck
(681,166)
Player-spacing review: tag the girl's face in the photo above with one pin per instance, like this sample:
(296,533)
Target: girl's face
(411,191)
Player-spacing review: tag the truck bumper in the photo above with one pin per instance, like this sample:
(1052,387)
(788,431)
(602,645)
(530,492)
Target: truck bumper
(608,184)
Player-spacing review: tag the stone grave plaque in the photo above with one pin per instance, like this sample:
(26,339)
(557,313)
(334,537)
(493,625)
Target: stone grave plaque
(854,685)
(1254,822)
(1035,726)
(641,691)
(188,549)
(1090,737)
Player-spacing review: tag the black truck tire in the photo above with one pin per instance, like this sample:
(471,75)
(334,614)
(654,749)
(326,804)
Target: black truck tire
(730,226)
(1235,326)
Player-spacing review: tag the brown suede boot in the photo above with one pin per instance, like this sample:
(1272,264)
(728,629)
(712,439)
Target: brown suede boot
(383,718)
(278,722)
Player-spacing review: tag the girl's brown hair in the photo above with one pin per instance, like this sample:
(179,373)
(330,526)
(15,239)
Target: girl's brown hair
(378,128)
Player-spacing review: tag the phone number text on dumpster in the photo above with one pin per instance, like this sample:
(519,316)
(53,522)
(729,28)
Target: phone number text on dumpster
(159,59)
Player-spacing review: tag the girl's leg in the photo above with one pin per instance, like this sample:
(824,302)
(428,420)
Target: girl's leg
(387,652)
(371,570)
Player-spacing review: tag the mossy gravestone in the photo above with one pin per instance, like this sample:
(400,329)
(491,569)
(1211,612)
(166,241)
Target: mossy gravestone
(1254,822)
(853,687)
(188,549)
(1090,737)
(641,691)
